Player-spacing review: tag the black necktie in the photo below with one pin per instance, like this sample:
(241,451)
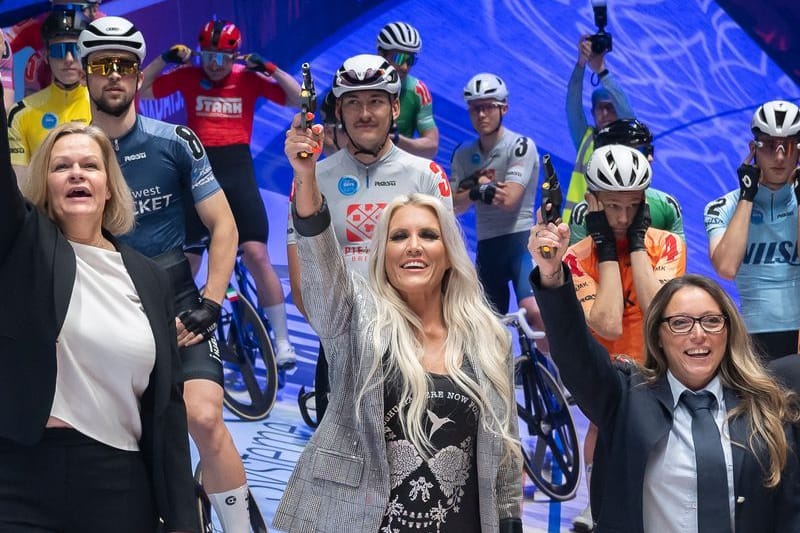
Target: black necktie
(713,508)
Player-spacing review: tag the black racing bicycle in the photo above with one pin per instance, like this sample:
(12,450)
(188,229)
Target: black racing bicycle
(250,374)
(550,447)
(208,519)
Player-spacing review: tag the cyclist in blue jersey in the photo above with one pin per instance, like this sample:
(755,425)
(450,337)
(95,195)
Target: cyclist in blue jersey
(165,165)
(752,230)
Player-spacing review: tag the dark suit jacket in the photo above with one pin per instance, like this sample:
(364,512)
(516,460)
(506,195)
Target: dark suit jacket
(633,416)
(37,273)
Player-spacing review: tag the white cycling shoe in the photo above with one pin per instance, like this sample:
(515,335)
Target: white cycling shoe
(285,358)
(583,523)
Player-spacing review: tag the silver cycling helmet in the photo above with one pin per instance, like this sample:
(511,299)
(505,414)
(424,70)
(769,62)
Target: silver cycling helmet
(399,36)
(111,33)
(618,168)
(777,118)
(366,72)
(486,85)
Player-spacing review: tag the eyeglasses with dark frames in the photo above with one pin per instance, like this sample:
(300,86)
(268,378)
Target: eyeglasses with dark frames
(683,324)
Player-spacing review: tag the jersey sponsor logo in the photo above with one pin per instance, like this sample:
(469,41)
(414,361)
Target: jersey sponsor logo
(49,121)
(424,94)
(771,253)
(386,183)
(204,180)
(361,220)
(714,221)
(476,158)
(215,106)
(17,150)
(756,217)
(347,186)
(135,157)
(150,199)
(784,214)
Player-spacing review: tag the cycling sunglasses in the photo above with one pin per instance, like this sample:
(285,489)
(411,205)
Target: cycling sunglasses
(774,144)
(107,65)
(404,58)
(220,58)
(59,50)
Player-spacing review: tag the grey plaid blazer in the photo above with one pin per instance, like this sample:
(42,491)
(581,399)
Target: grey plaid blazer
(341,481)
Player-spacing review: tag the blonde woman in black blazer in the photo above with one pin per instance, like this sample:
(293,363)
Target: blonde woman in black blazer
(38,276)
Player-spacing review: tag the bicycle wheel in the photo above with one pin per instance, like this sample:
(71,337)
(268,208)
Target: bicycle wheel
(203,503)
(249,372)
(550,447)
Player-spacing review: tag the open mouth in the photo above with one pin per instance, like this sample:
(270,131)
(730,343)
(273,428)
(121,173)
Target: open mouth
(698,353)
(79,192)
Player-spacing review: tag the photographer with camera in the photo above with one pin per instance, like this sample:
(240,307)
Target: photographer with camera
(609,103)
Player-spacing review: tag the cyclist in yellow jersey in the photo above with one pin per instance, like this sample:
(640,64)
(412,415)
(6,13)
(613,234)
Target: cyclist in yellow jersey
(64,100)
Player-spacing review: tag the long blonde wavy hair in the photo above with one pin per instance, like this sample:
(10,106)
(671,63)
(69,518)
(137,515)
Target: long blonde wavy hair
(472,327)
(763,402)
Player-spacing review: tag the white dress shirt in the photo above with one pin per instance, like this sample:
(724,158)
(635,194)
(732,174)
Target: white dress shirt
(670,479)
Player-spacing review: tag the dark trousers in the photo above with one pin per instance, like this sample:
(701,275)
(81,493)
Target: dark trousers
(70,483)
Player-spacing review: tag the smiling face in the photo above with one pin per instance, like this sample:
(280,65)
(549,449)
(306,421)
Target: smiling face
(77,185)
(694,357)
(416,258)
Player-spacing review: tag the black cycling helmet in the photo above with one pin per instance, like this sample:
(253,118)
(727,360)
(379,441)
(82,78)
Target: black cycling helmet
(68,22)
(626,131)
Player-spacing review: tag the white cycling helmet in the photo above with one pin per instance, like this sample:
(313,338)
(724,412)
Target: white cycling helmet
(366,72)
(111,33)
(399,36)
(777,118)
(618,168)
(485,85)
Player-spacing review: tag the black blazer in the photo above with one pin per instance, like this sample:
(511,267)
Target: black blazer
(633,416)
(37,274)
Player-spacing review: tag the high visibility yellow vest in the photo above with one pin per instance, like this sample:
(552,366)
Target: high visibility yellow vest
(577,183)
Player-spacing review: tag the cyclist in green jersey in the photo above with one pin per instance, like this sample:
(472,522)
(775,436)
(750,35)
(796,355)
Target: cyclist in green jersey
(665,212)
(416,132)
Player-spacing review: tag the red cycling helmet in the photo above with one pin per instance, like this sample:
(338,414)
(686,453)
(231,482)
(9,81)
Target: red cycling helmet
(221,35)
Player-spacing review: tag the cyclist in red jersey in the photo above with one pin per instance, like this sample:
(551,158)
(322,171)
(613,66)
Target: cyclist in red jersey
(220,99)
(28,33)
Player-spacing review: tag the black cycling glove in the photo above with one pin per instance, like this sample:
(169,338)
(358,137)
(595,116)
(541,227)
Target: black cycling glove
(639,226)
(485,192)
(173,55)
(796,184)
(203,319)
(602,235)
(256,63)
(470,181)
(748,181)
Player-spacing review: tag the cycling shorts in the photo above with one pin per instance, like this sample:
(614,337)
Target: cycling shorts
(233,168)
(503,259)
(201,360)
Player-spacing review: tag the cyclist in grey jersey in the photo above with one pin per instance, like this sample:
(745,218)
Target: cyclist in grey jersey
(497,174)
(360,179)
(111,51)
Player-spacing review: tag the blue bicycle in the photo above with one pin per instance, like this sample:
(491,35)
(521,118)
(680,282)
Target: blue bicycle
(550,448)
(248,356)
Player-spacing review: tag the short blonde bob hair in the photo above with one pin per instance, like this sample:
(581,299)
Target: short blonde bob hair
(118,215)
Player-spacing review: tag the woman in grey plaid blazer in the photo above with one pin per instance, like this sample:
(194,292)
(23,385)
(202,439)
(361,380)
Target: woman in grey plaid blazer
(421,315)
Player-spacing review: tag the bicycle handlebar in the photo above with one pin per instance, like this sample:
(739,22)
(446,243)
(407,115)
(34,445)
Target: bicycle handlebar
(518,318)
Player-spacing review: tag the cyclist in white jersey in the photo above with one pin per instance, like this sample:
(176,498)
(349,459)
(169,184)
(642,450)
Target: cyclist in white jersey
(497,174)
(752,231)
(359,180)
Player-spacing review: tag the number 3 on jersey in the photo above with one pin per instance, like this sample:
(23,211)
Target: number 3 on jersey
(191,140)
